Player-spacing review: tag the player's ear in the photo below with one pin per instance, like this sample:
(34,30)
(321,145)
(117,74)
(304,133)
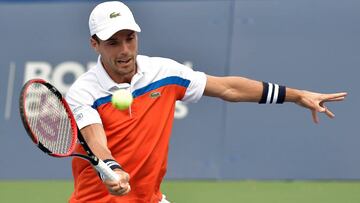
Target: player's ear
(94,44)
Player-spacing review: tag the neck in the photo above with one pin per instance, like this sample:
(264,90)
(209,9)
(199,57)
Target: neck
(123,78)
(120,77)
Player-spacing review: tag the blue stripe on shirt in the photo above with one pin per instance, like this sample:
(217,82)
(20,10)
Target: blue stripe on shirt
(100,101)
(172,80)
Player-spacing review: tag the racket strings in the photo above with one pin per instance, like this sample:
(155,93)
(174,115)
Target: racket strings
(48,119)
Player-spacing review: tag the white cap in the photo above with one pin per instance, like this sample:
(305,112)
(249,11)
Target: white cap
(110,17)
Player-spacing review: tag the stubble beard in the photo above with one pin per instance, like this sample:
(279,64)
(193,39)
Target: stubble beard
(125,72)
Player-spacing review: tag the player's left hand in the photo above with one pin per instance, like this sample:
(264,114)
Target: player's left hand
(316,102)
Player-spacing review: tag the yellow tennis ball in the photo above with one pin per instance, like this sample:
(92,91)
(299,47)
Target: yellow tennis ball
(121,99)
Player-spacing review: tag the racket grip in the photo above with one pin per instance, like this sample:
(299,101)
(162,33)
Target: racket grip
(106,171)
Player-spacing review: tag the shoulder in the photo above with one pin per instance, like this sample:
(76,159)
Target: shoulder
(160,62)
(85,87)
(162,67)
(85,81)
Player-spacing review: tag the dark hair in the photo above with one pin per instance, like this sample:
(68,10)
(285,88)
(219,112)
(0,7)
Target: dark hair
(96,38)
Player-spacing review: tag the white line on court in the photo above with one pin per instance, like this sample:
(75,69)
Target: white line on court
(10,91)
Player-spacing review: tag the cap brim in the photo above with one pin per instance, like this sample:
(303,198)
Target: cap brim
(107,33)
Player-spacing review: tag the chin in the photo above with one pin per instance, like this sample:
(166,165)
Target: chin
(126,69)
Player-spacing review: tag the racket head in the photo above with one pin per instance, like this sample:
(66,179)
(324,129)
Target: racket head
(47,118)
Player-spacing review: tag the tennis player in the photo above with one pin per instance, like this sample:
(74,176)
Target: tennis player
(135,142)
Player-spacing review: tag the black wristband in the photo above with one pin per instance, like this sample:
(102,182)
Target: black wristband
(264,93)
(282,95)
(272,94)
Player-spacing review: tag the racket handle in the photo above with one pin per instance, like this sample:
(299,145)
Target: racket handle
(106,171)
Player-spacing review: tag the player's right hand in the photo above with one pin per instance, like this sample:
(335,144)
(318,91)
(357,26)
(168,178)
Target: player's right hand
(121,187)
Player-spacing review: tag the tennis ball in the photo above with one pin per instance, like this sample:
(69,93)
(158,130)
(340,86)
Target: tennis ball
(121,99)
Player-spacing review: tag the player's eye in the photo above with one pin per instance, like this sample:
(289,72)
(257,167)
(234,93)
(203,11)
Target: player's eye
(112,43)
(129,39)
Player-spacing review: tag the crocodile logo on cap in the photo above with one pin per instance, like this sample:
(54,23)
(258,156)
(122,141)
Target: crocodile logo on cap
(114,15)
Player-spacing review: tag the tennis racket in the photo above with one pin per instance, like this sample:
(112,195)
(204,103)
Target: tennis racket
(48,121)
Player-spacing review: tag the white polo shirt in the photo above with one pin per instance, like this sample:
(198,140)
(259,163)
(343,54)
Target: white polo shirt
(95,86)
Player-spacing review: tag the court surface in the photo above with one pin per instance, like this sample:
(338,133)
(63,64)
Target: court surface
(202,191)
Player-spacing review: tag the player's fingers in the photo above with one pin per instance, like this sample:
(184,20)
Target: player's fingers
(119,191)
(334,96)
(315,116)
(128,189)
(335,99)
(124,184)
(116,187)
(320,108)
(329,113)
(110,183)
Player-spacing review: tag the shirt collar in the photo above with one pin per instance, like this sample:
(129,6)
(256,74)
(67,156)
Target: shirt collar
(141,68)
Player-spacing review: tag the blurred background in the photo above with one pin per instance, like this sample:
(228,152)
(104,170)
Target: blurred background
(307,44)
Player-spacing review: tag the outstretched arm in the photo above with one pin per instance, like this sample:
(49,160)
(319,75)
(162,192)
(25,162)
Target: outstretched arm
(241,89)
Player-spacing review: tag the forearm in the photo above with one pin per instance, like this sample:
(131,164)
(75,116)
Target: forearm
(234,89)
(96,139)
(241,89)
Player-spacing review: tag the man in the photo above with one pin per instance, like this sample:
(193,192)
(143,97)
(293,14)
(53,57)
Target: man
(134,142)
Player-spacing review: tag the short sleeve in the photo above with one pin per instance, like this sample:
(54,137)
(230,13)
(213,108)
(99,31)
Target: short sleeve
(80,103)
(196,88)
(197,81)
